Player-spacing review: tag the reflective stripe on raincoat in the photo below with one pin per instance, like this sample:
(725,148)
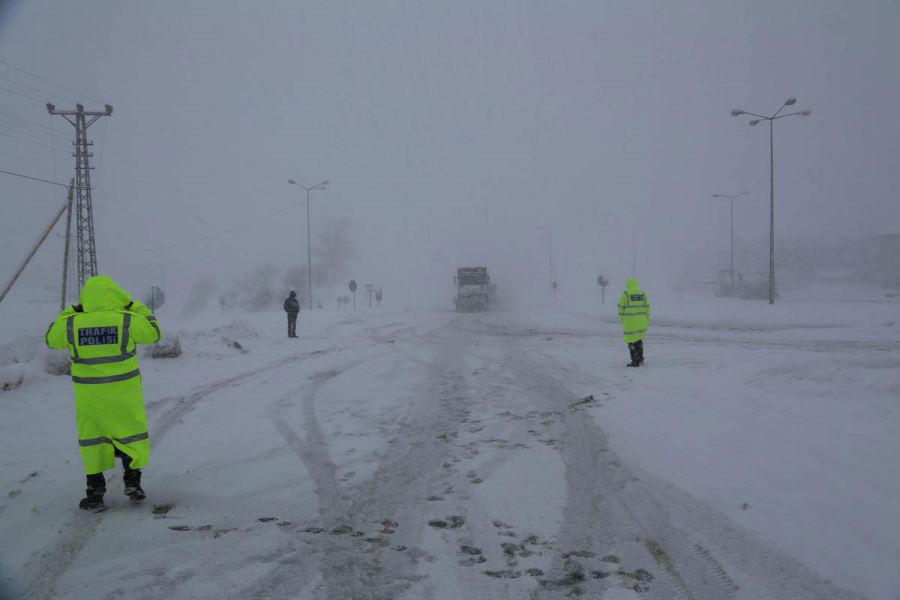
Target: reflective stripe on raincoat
(634,311)
(101,336)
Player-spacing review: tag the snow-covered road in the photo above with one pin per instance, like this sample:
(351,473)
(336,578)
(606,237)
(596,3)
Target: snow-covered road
(504,455)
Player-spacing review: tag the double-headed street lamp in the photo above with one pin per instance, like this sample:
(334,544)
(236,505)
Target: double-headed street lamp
(731,197)
(318,186)
(771,119)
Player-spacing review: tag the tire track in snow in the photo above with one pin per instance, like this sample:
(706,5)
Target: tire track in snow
(373,568)
(350,563)
(693,554)
(596,519)
(42,570)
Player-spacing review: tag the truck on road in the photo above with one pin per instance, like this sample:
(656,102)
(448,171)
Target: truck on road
(473,289)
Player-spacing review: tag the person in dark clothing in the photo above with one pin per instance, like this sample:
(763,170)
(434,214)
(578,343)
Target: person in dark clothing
(292,307)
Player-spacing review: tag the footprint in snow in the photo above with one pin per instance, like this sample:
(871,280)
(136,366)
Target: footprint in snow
(452,522)
(474,556)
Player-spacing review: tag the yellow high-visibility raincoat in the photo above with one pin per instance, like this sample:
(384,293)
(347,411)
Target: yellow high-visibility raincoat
(101,335)
(634,311)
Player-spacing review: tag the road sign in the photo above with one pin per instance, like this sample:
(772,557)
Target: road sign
(352,285)
(155,298)
(602,282)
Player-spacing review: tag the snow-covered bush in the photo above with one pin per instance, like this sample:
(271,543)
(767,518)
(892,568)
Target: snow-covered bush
(254,291)
(236,329)
(202,291)
(21,350)
(56,362)
(169,347)
(11,377)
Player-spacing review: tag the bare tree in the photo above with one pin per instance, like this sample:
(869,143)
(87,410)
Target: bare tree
(294,278)
(334,251)
(201,293)
(255,290)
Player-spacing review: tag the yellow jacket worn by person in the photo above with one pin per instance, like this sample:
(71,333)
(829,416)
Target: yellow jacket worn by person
(101,335)
(634,311)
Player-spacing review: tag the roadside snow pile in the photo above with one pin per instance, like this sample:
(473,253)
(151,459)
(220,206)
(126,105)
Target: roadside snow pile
(167,348)
(14,357)
(56,362)
(21,350)
(236,329)
(11,378)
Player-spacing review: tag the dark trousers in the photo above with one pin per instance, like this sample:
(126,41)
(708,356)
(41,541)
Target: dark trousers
(292,324)
(637,352)
(97,482)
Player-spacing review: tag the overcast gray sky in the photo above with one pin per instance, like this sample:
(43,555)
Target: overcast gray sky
(451,131)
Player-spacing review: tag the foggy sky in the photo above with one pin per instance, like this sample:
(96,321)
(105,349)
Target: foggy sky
(452,131)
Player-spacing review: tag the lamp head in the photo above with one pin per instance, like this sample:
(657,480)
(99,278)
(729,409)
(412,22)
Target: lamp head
(754,122)
(790,101)
(292,182)
(806,112)
(736,112)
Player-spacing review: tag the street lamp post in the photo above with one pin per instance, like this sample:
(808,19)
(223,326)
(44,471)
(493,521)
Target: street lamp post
(771,119)
(731,197)
(318,186)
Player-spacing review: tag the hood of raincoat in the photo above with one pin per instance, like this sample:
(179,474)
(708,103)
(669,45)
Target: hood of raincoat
(631,285)
(102,293)
(293,294)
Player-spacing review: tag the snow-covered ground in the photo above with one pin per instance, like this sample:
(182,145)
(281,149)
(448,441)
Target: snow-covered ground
(424,454)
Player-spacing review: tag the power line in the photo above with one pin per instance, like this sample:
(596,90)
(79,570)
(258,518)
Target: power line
(39,78)
(35,140)
(29,96)
(33,178)
(46,145)
(224,232)
(19,130)
(13,122)
(36,90)
(34,137)
(30,122)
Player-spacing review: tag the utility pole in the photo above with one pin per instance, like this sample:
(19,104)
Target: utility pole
(84,212)
(65,269)
(32,252)
(731,197)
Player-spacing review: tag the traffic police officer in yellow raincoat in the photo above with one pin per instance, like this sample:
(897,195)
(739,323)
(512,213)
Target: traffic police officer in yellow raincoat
(101,334)
(634,313)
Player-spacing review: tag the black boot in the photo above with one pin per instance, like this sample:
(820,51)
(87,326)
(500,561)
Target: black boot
(640,353)
(132,479)
(632,349)
(133,488)
(96,488)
